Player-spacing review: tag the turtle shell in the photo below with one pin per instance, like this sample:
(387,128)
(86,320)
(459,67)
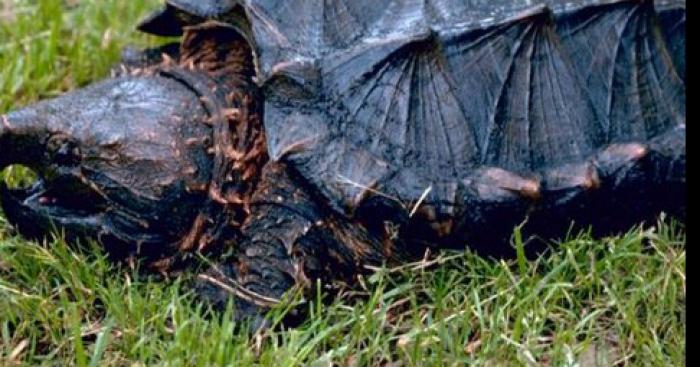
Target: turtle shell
(176,14)
(441,109)
(672,19)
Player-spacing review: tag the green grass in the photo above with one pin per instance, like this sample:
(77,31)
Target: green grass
(619,299)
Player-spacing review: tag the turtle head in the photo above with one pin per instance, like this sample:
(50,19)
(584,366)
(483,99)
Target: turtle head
(119,161)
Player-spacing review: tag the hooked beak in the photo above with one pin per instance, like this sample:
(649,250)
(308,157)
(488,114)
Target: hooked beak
(21,136)
(24,135)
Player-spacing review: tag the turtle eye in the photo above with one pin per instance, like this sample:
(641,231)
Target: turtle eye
(62,150)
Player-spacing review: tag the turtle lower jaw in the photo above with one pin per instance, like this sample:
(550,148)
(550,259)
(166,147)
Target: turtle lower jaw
(42,210)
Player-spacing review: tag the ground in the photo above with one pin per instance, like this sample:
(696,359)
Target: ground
(587,302)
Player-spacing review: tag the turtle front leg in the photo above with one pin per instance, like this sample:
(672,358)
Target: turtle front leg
(290,241)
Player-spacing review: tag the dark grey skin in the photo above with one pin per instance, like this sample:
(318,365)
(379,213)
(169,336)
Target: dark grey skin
(306,141)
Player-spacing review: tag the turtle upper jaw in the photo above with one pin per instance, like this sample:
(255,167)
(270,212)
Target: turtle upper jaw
(48,204)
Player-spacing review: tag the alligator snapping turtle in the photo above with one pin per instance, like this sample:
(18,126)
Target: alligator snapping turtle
(310,138)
